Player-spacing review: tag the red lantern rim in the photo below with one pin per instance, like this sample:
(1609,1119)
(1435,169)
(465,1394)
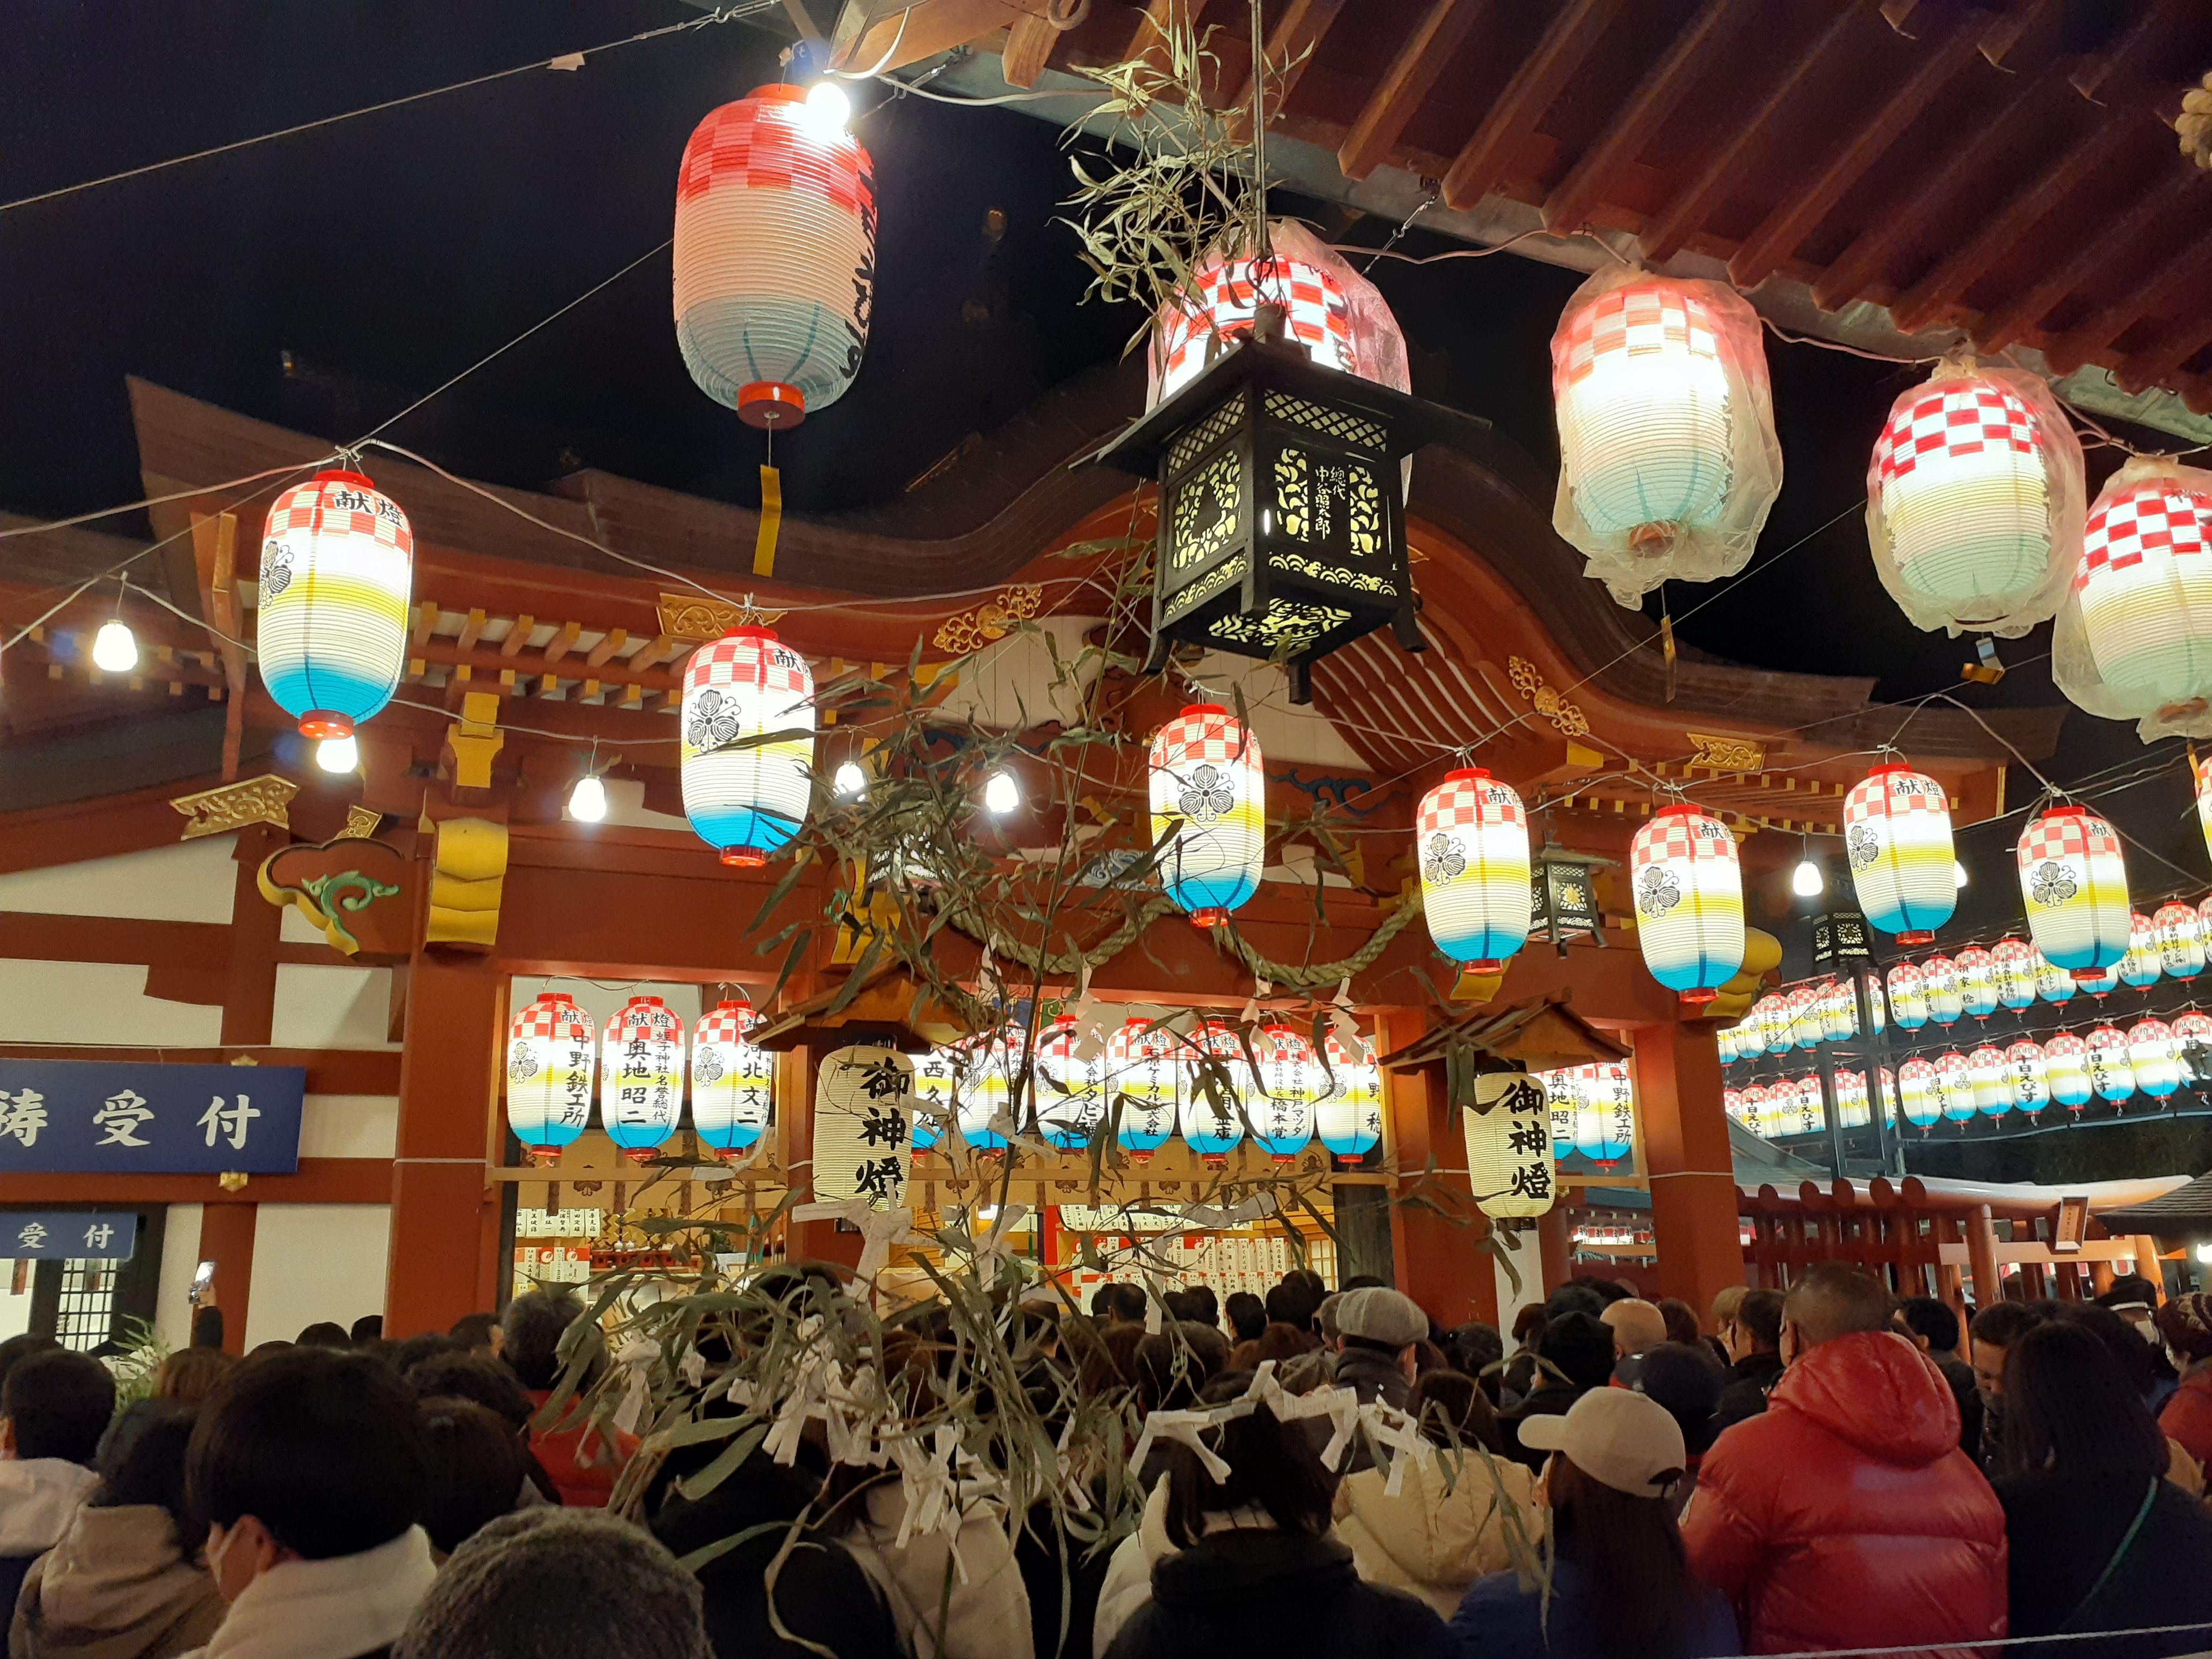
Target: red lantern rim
(744,858)
(752,631)
(322,725)
(771,403)
(779,92)
(344,475)
(1202,708)
(1467,775)
(1679,810)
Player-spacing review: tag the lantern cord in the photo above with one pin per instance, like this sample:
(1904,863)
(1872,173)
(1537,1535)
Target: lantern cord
(560,60)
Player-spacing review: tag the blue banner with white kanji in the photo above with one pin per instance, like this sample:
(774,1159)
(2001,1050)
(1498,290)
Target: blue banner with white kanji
(100,1118)
(68,1235)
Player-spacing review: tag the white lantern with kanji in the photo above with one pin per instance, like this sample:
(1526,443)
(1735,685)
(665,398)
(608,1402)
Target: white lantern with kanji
(1839,1013)
(2112,1067)
(1808,1112)
(863,1126)
(1349,1116)
(2012,968)
(1852,1111)
(1770,1019)
(732,1080)
(1289,1080)
(2134,640)
(338,574)
(1908,996)
(1471,840)
(1563,1089)
(1954,1086)
(1978,982)
(1989,1074)
(2179,931)
(991,1065)
(1754,1096)
(2076,885)
(1209,812)
(1508,1147)
(1939,976)
(1605,1125)
(1145,1080)
(642,1076)
(1070,1102)
(2031,1085)
(746,743)
(1725,1041)
(936,1088)
(1897,836)
(2053,983)
(2154,1058)
(549,1074)
(1919,1098)
(2066,1069)
(2140,966)
(1218,1097)
(1688,890)
(1807,1029)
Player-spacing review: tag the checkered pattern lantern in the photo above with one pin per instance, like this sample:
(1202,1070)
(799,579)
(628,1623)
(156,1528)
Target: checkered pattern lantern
(733,1081)
(936,1082)
(1349,1117)
(2180,932)
(1753,1098)
(1213,1117)
(642,1076)
(1806,1029)
(1667,457)
(746,801)
(1289,1080)
(1472,842)
(774,256)
(1839,1013)
(1908,996)
(2012,967)
(992,1061)
(1989,1074)
(2140,966)
(2155,1057)
(1770,1018)
(2192,1040)
(1939,976)
(1896,835)
(1605,1127)
(2053,983)
(549,1074)
(2111,1070)
(1145,1080)
(2031,1085)
(2140,608)
(1069,1102)
(1954,1086)
(1974,501)
(2075,885)
(1808,1113)
(1732,1107)
(337,573)
(1852,1111)
(2066,1069)
(1209,800)
(1978,982)
(1920,1099)
(1689,901)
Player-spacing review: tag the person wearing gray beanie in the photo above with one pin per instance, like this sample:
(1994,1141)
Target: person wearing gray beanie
(556,1583)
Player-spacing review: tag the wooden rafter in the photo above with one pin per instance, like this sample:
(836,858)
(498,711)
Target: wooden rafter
(1413,74)
(2155,364)
(2023,311)
(1483,160)
(2184,272)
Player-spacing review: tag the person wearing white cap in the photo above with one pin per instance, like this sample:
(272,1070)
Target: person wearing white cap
(1621,1586)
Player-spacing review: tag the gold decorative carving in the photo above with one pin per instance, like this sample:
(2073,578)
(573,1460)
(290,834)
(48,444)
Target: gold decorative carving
(1726,754)
(468,871)
(988,621)
(361,824)
(1563,714)
(234,805)
(474,739)
(695,616)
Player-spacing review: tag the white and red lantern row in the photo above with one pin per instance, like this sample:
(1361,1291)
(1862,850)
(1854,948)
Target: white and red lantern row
(2133,641)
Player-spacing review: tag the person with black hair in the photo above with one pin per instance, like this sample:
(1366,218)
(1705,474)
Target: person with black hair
(368,1328)
(54,1407)
(1474,1348)
(309,1469)
(1253,1573)
(1294,1301)
(581,1462)
(1205,1306)
(410,1351)
(1576,1354)
(2185,1324)
(477,1332)
(1621,1585)
(322,1333)
(1124,1304)
(1990,1334)
(2098,1540)
(1932,1326)
(2140,1366)
(1753,1338)
(1248,1316)
(478,1472)
(1685,1379)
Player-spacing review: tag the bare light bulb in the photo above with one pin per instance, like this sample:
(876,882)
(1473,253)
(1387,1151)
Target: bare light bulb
(1001,794)
(1957,873)
(588,801)
(337,754)
(828,107)
(850,780)
(1806,881)
(115,647)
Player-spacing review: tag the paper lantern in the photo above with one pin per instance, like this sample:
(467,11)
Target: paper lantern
(1908,996)
(2111,1069)
(745,797)
(1877,1005)
(2192,1041)
(1724,1040)
(1988,1076)
(1144,1079)
(642,1076)
(1890,1102)
(1508,1147)
(733,1081)
(2154,1058)
(1563,1091)
(1808,1112)
(1806,1027)
(549,1074)
(775,256)
(936,1093)
(1209,802)
(1839,1013)
(991,1066)
(1770,1015)
(1954,1086)
(1605,1125)
(2076,886)
(2066,1069)
(1667,457)
(2205,801)
(2204,915)
(1977,981)
(1751,1098)
(1472,843)
(337,576)
(1939,977)
(1349,1116)
(1289,1078)
(1732,1106)
(2101,981)
(1069,1102)
(1897,836)
(2142,601)
(863,1126)
(1919,1097)
(1689,901)
(2012,970)
(2053,983)
(1852,1111)
(2140,966)
(1213,1120)
(2031,1086)
(2179,931)
(1974,501)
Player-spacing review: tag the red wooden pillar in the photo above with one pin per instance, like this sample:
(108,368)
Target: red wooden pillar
(1685,1149)
(1435,1260)
(227,1240)
(448,1089)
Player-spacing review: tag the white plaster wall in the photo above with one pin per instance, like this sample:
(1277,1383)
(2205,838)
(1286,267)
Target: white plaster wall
(349,1126)
(192,881)
(333,1007)
(180,1256)
(315,1261)
(100,1003)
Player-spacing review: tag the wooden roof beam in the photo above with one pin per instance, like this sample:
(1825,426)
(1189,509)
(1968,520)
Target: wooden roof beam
(2161,280)
(2155,366)
(2006,322)
(1290,48)
(518,636)
(1482,160)
(1639,118)
(2121,59)
(1413,74)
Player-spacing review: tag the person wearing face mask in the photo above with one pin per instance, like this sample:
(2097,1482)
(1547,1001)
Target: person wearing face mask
(308,1467)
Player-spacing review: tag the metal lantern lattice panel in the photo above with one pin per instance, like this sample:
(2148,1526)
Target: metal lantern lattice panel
(338,574)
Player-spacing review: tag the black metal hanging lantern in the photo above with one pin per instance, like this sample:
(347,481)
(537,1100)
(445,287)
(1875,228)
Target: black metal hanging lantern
(1563,895)
(1282,535)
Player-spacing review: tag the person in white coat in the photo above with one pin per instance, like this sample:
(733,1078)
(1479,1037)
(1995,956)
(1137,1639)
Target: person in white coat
(956,1597)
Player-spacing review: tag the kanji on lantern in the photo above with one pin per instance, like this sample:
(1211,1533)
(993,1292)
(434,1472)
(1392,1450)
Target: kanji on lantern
(2112,1068)
(1070,1102)
(1471,840)
(1349,1117)
(1687,889)
(1954,1086)
(337,572)
(2179,931)
(2139,967)
(549,1074)
(863,1126)
(1908,996)
(1977,981)
(1145,1079)
(936,1088)
(2031,1086)
(1288,1077)
(1508,1147)
(1920,1098)
(732,1080)
(1216,1103)
(642,1076)
(1897,836)
(1939,977)
(745,745)
(2012,968)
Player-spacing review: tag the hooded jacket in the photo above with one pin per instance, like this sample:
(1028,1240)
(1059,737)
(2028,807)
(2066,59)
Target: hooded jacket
(1427,1541)
(1845,1516)
(950,1598)
(118,1585)
(2187,1416)
(344,1607)
(38,1495)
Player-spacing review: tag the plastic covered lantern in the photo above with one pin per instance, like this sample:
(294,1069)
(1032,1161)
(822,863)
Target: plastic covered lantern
(2179,931)
(2031,1086)
(1688,890)
(2134,639)
(2076,885)
(1974,501)
(1978,982)
(642,1076)
(1069,1104)
(2066,1069)
(774,256)
(1668,460)
(1917,1096)
(549,1074)
(1213,1119)
(1144,1068)
(745,797)
(1349,1117)
(1472,843)
(1897,836)
(2112,1072)
(733,1081)
(337,576)
(2153,1058)
(1289,1080)
(2012,966)
(1209,806)
(1908,996)
(1939,977)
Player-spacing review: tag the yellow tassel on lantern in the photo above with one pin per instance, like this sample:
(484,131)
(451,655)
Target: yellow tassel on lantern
(771,521)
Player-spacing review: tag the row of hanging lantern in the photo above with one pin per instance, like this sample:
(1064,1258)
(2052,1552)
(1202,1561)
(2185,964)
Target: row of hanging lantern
(1592,1111)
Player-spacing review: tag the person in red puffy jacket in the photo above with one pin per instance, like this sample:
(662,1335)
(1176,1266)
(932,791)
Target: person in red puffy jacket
(1846,1516)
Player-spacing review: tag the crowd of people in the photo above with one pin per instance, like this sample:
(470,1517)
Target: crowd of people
(1823,1468)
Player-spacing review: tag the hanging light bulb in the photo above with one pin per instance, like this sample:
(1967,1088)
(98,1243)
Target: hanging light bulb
(850,780)
(1001,794)
(588,801)
(337,754)
(827,108)
(1957,873)
(115,647)
(1806,881)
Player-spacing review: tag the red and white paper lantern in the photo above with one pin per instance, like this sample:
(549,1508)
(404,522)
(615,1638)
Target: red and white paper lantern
(337,572)
(549,1074)
(747,798)
(2133,641)
(642,1076)
(732,1080)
